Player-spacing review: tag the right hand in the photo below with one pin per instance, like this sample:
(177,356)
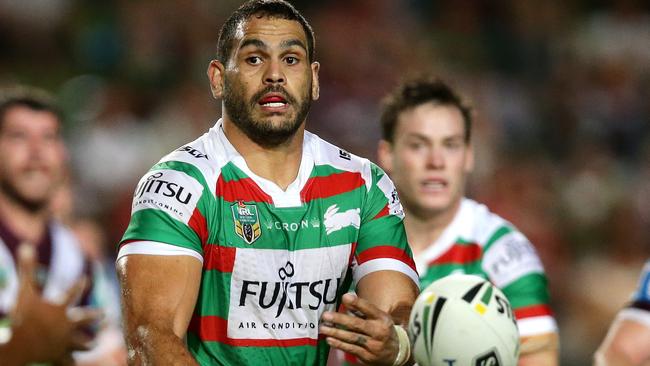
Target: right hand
(48,331)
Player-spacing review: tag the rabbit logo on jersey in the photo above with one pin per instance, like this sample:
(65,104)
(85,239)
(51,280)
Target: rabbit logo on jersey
(335,220)
(247,221)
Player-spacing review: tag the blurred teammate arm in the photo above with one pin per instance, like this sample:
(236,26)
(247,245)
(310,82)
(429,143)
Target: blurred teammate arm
(42,331)
(158,297)
(627,344)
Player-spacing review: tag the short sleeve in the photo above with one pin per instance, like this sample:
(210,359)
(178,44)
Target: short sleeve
(382,243)
(169,207)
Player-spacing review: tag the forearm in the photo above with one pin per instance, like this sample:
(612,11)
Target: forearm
(149,345)
(539,350)
(539,358)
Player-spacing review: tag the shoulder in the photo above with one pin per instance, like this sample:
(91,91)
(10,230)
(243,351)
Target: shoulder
(484,226)
(194,166)
(507,254)
(326,154)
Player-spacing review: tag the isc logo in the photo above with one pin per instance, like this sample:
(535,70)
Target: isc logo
(194,152)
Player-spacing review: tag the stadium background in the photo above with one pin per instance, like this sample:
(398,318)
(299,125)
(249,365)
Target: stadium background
(561,91)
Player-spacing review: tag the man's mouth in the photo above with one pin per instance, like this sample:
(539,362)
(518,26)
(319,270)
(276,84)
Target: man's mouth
(273,101)
(434,184)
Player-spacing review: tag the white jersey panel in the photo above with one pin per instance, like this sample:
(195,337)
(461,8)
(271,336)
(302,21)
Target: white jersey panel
(66,266)
(171,191)
(279,280)
(510,258)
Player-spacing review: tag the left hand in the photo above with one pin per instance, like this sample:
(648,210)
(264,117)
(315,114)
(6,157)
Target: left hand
(366,332)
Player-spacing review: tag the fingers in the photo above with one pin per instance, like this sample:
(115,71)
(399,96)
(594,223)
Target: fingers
(81,342)
(27,264)
(75,292)
(361,307)
(81,316)
(351,348)
(362,338)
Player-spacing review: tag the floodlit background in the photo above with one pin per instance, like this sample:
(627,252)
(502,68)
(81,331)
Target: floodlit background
(561,91)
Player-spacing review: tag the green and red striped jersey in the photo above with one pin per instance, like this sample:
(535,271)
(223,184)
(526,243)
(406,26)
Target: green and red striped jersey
(480,242)
(273,259)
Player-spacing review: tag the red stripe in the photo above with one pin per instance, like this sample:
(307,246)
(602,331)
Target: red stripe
(199,225)
(353,249)
(215,329)
(218,257)
(244,189)
(460,254)
(331,185)
(385,251)
(350,358)
(533,311)
(384,212)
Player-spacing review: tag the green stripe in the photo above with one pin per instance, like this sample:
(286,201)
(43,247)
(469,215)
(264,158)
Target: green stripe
(214,353)
(214,296)
(156,225)
(184,167)
(528,290)
(435,272)
(487,295)
(325,170)
(501,231)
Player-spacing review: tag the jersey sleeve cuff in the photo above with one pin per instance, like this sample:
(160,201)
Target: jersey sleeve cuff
(385,264)
(637,315)
(536,325)
(155,248)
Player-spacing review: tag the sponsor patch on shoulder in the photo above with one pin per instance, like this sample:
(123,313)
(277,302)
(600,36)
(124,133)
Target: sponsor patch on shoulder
(172,191)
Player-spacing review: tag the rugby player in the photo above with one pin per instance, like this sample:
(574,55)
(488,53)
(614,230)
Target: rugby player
(426,149)
(242,243)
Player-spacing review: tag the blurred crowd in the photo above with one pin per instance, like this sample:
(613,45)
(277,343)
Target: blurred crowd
(560,89)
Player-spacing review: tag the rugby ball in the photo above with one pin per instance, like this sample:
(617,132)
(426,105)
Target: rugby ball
(463,320)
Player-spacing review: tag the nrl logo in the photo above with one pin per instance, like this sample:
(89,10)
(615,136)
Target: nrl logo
(247,221)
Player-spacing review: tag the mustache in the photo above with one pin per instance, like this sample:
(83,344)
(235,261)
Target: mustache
(273,89)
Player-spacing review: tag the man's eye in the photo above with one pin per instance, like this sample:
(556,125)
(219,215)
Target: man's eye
(254,60)
(290,60)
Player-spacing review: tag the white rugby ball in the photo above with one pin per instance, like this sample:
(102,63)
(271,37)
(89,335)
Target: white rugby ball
(463,320)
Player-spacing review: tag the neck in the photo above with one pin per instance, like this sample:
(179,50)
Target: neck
(278,164)
(424,230)
(26,224)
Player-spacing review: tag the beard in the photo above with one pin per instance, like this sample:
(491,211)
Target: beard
(264,132)
(32,205)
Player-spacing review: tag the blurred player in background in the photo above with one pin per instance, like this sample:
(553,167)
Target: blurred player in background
(628,341)
(242,242)
(40,284)
(427,151)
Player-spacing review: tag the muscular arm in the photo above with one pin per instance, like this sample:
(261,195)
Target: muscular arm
(384,299)
(158,298)
(627,343)
(390,291)
(539,350)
